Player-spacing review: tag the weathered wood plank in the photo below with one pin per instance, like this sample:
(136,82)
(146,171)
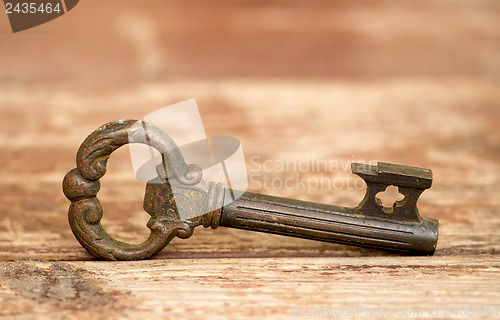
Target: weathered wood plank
(414,83)
(464,195)
(278,288)
(239,274)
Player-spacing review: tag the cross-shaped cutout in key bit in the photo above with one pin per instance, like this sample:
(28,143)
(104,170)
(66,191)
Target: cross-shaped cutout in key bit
(410,182)
(389,199)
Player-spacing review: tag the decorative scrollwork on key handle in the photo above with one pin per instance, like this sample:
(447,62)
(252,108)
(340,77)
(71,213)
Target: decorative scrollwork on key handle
(81,186)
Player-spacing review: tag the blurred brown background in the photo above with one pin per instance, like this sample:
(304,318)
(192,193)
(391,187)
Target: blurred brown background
(409,82)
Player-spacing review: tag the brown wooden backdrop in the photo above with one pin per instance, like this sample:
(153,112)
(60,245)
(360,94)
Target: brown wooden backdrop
(409,82)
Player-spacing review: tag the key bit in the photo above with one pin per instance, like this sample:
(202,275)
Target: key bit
(398,228)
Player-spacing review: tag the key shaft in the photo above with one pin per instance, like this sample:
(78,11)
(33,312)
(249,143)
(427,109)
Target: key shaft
(329,223)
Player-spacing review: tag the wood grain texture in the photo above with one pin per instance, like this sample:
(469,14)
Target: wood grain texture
(413,83)
(232,288)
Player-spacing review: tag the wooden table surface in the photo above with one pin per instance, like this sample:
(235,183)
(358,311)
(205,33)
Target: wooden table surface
(408,82)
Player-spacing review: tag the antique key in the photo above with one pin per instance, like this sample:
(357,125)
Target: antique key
(399,228)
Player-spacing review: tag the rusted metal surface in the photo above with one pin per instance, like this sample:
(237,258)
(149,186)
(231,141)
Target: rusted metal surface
(399,228)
